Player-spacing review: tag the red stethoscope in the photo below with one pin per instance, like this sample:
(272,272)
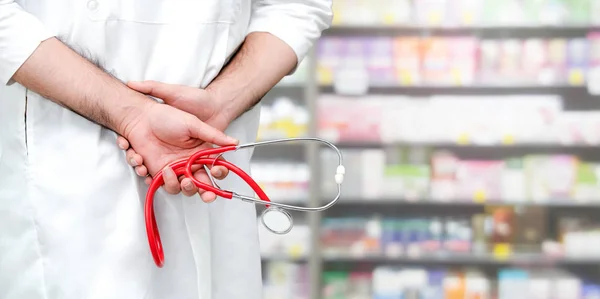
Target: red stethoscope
(275,218)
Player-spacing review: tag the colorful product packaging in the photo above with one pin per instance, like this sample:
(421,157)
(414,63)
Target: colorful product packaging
(557,59)
(436,61)
(479,180)
(587,182)
(462,52)
(430,13)
(593,79)
(407,60)
(443,177)
(380,61)
(577,61)
(489,61)
(550,177)
(330,53)
(512,283)
(514,181)
(534,61)
(464,13)
(510,61)
(578,12)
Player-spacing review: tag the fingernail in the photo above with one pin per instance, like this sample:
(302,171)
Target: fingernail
(188,186)
(232,140)
(218,172)
(122,146)
(133,162)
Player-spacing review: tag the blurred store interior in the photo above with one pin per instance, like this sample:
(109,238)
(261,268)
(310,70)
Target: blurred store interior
(470,131)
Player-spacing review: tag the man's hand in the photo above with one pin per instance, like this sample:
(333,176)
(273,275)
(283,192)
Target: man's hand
(198,102)
(164,134)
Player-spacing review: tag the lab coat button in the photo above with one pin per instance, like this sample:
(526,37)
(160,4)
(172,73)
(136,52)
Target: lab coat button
(92,5)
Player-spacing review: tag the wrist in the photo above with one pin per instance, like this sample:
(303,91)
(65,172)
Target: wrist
(228,105)
(129,114)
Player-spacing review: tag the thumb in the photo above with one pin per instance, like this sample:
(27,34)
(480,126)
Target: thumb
(163,91)
(200,130)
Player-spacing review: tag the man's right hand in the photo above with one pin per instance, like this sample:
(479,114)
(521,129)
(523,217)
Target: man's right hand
(162,134)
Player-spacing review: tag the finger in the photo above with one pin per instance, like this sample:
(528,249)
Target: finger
(148,180)
(172,185)
(208,196)
(122,142)
(133,158)
(141,170)
(200,130)
(188,188)
(201,176)
(219,172)
(154,88)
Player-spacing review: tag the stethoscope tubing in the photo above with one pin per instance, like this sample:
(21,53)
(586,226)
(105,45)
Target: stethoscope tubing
(184,167)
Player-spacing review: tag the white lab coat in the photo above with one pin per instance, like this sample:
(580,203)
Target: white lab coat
(71,209)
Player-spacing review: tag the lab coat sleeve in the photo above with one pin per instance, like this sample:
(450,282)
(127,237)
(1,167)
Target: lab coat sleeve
(298,23)
(20,35)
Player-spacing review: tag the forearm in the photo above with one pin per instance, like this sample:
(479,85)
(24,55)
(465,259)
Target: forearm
(58,73)
(261,62)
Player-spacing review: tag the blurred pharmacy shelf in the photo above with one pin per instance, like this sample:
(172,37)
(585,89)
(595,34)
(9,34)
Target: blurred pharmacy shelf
(464,124)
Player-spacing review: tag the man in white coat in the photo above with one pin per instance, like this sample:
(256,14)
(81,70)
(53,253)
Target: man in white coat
(75,75)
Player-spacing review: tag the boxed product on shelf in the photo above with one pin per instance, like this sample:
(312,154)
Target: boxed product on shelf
(407,60)
(464,13)
(291,245)
(407,181)
(282,119)
(284,280)
(489,61)
(380,61)
(587,182)
(436,60)
(594,13)
(579,236)
(430,13)
(513,13)
(342,285)
(462,52)
(352,120)
(550,177)
(577,61)
(579,11)
(513,181)
(511,51)
(512,283)
(479,180)
(282,181)
(330,54)
(557,60)
(443,176)
(593,76)
(534,62)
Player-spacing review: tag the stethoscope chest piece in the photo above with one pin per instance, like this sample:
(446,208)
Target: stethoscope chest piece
(276,220)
